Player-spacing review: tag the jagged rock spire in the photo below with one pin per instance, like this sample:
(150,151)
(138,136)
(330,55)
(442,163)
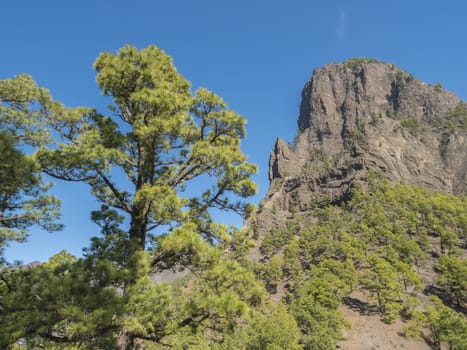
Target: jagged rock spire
(364,115)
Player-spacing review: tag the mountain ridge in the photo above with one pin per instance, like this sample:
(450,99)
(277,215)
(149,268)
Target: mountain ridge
(365,114)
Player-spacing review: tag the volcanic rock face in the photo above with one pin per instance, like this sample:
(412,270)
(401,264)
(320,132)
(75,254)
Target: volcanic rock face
(362,116)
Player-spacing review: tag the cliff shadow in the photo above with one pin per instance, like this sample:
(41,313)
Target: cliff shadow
(362,307)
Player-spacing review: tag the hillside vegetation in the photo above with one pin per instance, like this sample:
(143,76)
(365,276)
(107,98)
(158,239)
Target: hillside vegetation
(402,245)
(385,241)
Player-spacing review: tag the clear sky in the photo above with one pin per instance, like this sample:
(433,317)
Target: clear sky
(256,54)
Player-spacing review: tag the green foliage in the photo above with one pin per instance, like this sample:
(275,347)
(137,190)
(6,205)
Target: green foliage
(319,160)
(318,280)
(59,301)
(241,243)
(455,119)
(438,86)
(393,115)
(23,108)
(271,272)
(274,330)
(278,238)
(355,64)
(376,119)
(89,301)
(292,266)
(401,79)
(453,275)
(329,238)
(314,307)
(376,240)
(413,125)
(446,325)
(458,115)
(24,201)
(354,136)
(220,299)
(381,279)
(161,140)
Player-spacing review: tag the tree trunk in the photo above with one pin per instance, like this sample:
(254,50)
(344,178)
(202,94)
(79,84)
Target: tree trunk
(124,341)
(138,227)
(381,308)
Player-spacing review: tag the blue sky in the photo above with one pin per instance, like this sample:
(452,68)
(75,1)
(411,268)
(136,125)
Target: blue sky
(256,54)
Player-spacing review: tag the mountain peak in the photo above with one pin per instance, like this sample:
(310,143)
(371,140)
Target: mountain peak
(364,115)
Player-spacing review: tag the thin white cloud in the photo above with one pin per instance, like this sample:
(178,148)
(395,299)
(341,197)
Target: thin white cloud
(341,28)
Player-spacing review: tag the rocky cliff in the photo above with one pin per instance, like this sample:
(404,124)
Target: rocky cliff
(357,119)
(364,115)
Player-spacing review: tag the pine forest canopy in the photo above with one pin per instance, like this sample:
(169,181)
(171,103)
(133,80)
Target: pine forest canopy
(159,135)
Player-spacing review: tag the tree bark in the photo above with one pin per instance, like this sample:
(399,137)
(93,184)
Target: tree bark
(138,227)
(124,341)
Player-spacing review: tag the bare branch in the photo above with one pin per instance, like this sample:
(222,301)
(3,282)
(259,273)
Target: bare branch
(120,197)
